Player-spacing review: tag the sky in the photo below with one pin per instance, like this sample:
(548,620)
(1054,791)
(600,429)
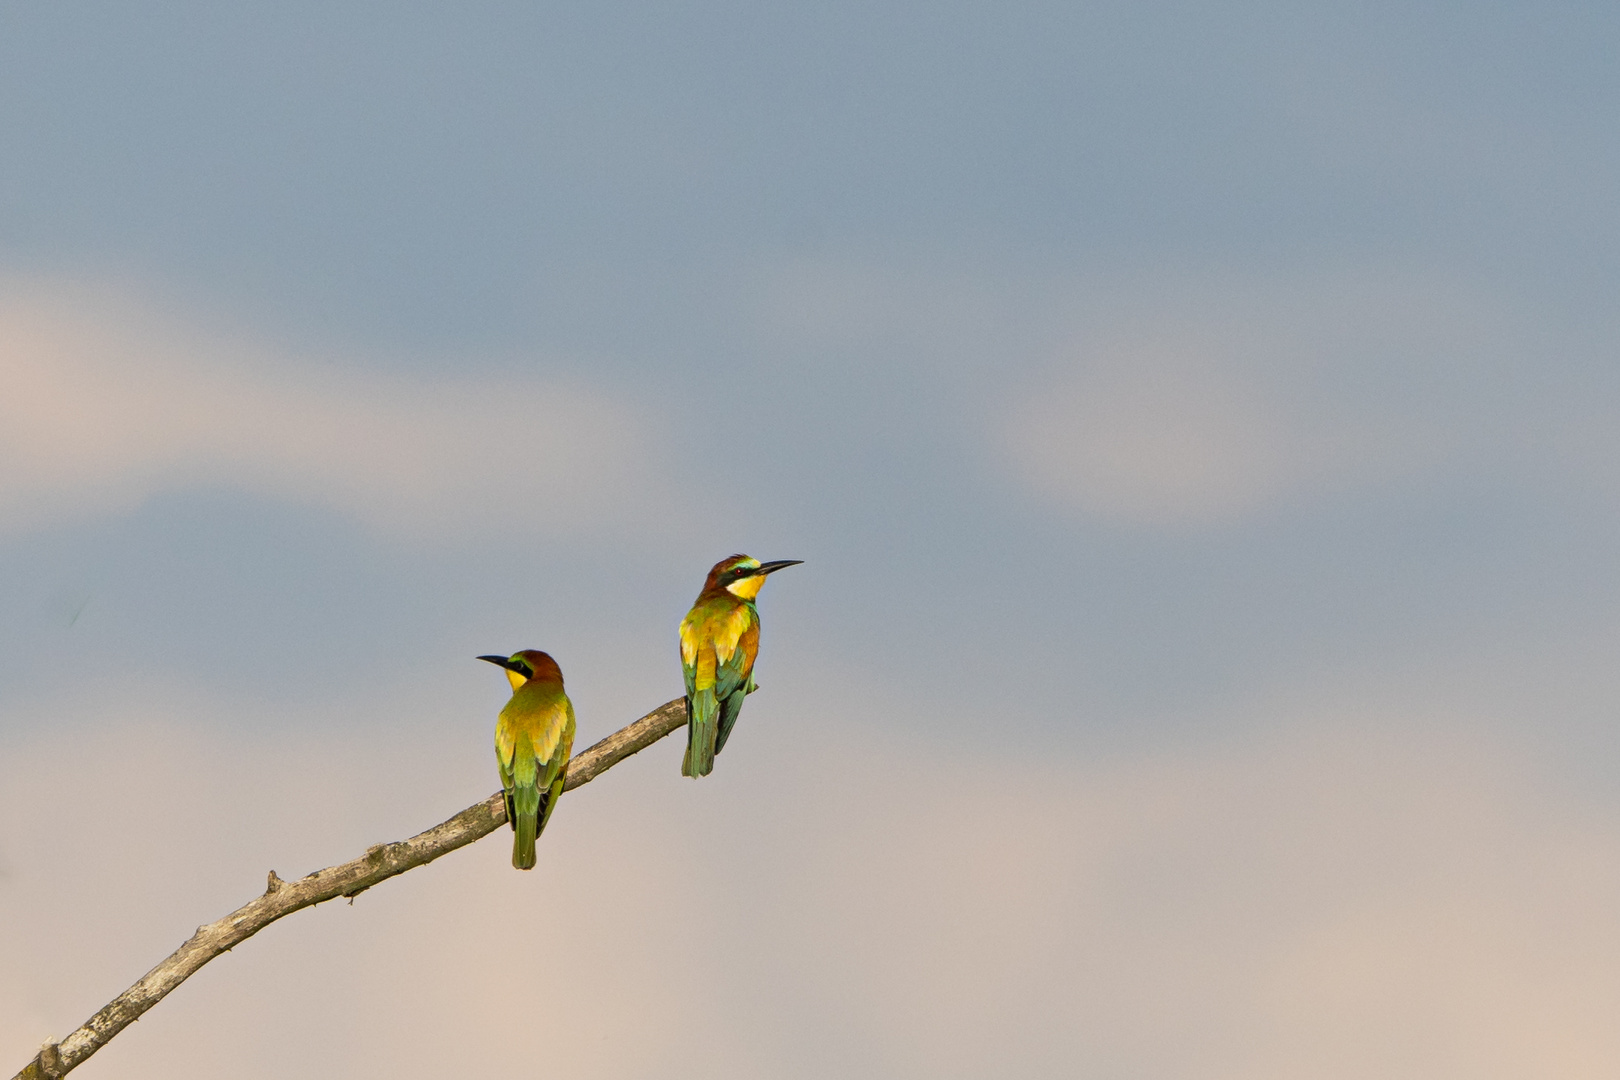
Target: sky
(1200,423)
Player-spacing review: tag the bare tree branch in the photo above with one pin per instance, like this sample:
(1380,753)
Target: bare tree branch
(349,879)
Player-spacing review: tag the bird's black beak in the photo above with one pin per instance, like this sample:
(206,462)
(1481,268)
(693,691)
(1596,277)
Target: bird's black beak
(499,661)
(779,564)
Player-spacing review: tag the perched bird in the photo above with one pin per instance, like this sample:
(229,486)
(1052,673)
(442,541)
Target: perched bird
(533,740)
(719,641)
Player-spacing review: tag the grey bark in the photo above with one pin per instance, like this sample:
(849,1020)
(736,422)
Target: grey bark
(350,879)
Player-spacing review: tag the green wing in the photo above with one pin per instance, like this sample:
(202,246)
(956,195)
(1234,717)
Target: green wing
(712,712)
(731,686)
(506,788)
(556,771)
(702,722)
(538,719)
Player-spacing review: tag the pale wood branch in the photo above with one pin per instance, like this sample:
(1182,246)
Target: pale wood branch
(350,879)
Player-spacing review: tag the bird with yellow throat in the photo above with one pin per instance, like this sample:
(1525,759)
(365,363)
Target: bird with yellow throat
(534,738)
(719,643)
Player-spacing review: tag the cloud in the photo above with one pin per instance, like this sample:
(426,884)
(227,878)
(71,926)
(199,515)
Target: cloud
(1174,398)
(1338,905)
(108,402)
(1348,900)
(1197,404)
(1154,433)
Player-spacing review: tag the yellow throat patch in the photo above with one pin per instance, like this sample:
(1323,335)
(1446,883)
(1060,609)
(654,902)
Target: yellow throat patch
(747,587)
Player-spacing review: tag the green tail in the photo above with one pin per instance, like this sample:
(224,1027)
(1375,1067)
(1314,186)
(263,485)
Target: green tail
(525,806)
(527,825)
(702,725)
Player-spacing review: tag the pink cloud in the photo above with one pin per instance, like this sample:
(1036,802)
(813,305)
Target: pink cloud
(109,401)
(1342,904)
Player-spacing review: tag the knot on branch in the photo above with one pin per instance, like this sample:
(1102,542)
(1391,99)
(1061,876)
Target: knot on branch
(47,1064)
(274,884)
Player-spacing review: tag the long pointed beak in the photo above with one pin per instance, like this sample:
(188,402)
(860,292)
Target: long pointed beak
(499,661)
(779,564)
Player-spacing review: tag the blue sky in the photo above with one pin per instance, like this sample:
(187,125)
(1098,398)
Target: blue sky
(1218,394)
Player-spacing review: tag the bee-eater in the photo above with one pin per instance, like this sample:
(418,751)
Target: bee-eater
(533,740)
(719,641)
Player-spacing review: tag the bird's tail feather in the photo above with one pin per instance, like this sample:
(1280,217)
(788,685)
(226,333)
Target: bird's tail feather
(701,728)
(525,806)
(523,843)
